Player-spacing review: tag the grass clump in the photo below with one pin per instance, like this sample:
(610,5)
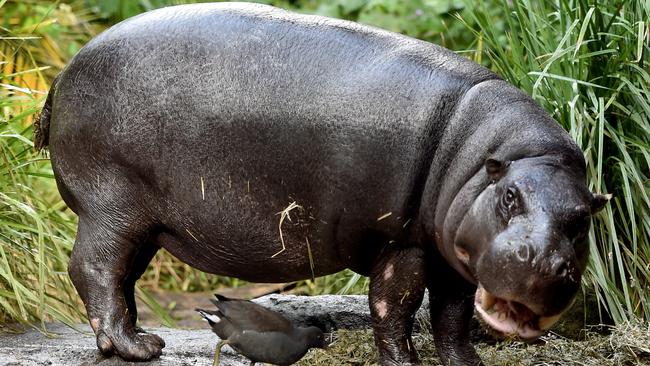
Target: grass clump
(36,233)
(627,344)
(36,229)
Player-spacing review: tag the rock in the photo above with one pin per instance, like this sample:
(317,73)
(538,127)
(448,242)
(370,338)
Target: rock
(328,312)
(67,346)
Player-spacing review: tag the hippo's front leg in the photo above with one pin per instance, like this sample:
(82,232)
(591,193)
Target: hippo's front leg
(397,284)
(451,301)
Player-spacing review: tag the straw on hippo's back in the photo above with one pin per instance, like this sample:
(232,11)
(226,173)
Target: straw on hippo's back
(192,127)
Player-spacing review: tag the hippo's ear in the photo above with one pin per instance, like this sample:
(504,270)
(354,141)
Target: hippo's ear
(496,168)
(598,201)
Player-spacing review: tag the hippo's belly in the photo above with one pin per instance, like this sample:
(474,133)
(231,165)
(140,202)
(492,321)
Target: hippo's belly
(231,204)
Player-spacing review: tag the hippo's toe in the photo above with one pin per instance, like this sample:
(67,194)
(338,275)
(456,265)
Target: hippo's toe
(131,346)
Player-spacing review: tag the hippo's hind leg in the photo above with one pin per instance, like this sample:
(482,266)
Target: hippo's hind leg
(397,283)
(101,268)
(142,258)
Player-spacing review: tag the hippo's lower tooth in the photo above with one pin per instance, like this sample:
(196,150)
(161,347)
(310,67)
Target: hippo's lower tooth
(487,300)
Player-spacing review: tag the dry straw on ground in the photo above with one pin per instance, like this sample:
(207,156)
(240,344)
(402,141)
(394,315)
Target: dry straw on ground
(625,345)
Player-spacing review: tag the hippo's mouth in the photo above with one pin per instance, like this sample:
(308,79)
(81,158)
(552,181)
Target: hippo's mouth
(510,318)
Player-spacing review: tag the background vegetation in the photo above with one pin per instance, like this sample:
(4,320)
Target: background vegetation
(587,65)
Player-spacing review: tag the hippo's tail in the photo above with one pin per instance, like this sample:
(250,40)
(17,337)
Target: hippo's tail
(42,122)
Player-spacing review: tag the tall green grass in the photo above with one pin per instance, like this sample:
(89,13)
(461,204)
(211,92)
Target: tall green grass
(35,231)
(587,63)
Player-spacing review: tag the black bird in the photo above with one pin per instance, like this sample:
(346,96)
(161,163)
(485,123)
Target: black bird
(260,334)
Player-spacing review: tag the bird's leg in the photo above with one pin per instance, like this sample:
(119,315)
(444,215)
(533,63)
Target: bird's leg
(217,351)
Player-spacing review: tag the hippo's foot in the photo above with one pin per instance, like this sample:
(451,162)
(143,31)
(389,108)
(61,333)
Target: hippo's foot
(458,354)
(386,360)
(134,345)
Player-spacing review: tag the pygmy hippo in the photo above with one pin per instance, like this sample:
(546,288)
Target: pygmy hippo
(247,140)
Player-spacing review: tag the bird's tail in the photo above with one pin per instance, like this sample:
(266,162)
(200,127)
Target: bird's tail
(212,317)
(219,323)
(221,298)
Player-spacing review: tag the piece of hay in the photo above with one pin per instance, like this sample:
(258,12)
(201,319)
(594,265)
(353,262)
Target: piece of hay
(384,216)
(192,235)
(311,258)
(285,214)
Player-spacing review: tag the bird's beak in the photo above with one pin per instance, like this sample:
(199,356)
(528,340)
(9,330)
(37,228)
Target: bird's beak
(329,341)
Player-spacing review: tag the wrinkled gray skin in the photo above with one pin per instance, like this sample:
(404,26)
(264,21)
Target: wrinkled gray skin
(190,128)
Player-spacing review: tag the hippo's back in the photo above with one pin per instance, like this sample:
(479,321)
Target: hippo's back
(239,60)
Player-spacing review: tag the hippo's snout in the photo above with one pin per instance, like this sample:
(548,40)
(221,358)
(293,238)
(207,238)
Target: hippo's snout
(550,286)
(526,282)
(543,274)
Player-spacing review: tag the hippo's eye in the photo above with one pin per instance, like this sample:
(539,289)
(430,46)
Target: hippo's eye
(510,196)
(509,206)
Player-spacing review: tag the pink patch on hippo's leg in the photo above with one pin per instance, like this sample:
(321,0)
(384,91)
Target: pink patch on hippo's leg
(382,308)
(388,272)
(94,323)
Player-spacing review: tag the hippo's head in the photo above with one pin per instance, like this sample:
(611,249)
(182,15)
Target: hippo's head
(524,242)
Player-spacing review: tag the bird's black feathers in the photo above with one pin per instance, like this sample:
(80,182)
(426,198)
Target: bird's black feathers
(244,314)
